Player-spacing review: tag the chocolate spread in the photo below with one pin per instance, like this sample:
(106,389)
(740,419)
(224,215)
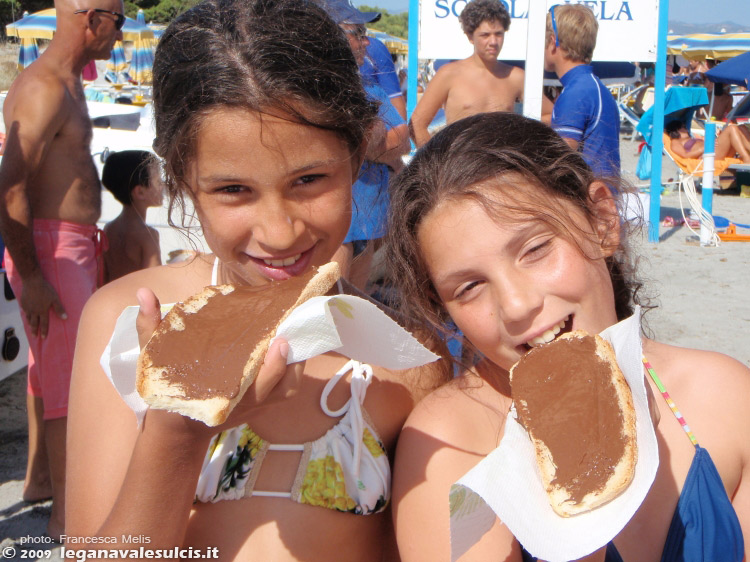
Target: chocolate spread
(207,358)
(565,397)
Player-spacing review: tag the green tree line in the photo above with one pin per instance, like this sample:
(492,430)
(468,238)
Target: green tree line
(393,24)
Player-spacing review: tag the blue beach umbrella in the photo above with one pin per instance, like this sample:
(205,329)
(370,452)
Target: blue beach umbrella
(140,17)
(117,62)
(28,52)
(733,71)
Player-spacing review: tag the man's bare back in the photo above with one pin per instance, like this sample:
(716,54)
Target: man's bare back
(473,89)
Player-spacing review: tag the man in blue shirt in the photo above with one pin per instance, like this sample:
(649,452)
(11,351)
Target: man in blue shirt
(388,141)
(585,113)
(379,68)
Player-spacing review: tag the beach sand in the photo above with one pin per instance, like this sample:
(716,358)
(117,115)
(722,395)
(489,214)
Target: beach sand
(703,295)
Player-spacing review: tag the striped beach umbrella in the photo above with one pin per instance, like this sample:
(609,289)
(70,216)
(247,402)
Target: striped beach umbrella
(157,29)
(39,25)
(140,17)
(706,45)
(133,30)
(143,61)
(117,62)
(395,45)
(42,25)
(28,52)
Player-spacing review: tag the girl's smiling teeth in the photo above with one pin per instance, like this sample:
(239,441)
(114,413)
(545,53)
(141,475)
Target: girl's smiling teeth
(283,263)
(549,334)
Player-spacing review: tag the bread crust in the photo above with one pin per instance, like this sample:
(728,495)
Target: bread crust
(160,394)
(559,497)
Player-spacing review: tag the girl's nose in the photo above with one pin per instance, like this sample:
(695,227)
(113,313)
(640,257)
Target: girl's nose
(277,228)
(518,298)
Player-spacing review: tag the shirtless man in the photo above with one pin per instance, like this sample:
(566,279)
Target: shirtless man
(479,83)
(50,200)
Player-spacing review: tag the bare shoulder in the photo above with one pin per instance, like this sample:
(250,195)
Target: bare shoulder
(694,369)
(34,90)
(446,75)
(513,75)
(477,414)
(711,389)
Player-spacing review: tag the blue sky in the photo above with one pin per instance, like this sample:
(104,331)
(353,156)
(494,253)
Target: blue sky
(688,11)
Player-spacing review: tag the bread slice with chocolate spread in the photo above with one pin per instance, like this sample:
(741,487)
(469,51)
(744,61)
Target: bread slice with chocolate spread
(577,408)
(208,350)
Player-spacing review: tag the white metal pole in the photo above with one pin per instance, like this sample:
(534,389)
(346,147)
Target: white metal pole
(534,76)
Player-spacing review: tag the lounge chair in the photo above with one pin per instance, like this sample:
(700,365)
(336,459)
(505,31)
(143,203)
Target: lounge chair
(694,166)
(679,103)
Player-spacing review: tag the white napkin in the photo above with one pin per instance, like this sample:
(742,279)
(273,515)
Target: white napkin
(507,483)
(345,324)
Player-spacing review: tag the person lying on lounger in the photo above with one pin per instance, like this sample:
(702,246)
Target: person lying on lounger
(733,139)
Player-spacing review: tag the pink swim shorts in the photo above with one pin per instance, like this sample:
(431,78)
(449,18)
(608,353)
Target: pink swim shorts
(67,255)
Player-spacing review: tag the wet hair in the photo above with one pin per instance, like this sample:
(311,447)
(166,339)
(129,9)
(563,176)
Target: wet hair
(478,11)
(281,57)
(576,31)
(673,128)
(124,170)
(517,169)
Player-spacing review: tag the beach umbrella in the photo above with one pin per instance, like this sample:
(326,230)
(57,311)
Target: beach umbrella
(39,25)
(395,45)
(706,45)
(143,61)
(28,52)
(117,62)
(733,71)
(42,25)
(140,17)
(157,29)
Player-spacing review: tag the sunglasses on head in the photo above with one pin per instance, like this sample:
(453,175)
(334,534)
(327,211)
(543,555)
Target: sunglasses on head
(119,18)
(554,25)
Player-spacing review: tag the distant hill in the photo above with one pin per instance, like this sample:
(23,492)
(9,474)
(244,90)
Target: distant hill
(682,28)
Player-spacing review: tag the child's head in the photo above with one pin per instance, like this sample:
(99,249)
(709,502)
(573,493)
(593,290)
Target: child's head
(674,128)
(266,56)
(262,119)
(521,173)
(478,11)
(573,27)
(125,170)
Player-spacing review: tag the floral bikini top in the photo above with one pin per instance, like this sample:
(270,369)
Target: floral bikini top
(346,469)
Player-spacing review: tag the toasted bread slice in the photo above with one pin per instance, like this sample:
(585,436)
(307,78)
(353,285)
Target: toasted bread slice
(208,350)
(577,407)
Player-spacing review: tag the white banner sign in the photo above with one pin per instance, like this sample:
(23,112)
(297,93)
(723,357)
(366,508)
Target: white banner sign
(627,29)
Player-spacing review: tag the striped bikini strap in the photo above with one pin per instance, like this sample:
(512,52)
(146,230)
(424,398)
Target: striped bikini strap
(670,402)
